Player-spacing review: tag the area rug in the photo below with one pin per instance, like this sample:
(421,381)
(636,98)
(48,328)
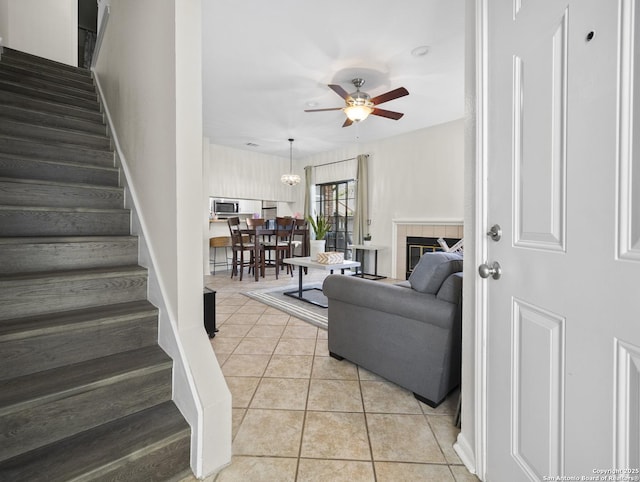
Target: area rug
(275,297)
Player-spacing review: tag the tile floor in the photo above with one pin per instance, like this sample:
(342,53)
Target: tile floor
(299,415)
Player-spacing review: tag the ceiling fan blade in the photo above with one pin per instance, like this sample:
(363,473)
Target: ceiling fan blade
(389,114)
(339,90)
(322,110)
(392,94)
(347,122)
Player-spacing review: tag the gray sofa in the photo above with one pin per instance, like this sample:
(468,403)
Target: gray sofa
(408,333)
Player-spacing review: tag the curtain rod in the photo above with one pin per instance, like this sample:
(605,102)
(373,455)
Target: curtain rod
(336,162)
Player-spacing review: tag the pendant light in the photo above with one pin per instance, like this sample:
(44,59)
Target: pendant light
(291,179)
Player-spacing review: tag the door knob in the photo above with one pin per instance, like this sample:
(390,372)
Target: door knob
(494,270)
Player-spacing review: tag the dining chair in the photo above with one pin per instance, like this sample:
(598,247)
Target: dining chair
(281,245)
(254,228)
(240,244)
(300,239)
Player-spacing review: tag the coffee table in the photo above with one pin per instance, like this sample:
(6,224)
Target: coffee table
(306,262)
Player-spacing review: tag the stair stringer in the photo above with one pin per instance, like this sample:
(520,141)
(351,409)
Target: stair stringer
(199,389)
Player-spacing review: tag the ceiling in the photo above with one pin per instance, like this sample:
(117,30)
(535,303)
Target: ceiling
(265,62)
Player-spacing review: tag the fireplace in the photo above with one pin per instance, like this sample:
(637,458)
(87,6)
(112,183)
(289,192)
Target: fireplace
(421,228)
(418,245)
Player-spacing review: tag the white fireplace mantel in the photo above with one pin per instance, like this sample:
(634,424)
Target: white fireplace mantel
(433,228)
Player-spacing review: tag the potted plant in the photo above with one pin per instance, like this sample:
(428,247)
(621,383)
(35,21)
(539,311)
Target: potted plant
(321,226)
(366,239)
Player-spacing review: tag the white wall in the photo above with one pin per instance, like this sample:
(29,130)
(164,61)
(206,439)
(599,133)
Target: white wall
(47,28)
(149,71)
(419,175)
(4,21)
(137,71)
(242,174)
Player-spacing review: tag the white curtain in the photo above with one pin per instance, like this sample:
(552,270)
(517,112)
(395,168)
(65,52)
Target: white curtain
(361,219)
(308,180)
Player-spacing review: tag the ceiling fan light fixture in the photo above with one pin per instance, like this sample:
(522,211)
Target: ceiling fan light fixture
(359,105)
(357,113)
(290,179)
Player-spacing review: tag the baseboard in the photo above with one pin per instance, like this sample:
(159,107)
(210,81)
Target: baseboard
(464,451)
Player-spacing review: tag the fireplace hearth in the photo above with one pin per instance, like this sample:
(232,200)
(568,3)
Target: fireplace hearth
(418,245)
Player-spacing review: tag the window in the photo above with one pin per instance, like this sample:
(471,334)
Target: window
(337,202)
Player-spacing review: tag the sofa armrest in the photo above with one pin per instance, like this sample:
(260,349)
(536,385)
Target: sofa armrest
(389,298)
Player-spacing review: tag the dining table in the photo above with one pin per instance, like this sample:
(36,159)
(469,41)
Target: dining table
(256,235)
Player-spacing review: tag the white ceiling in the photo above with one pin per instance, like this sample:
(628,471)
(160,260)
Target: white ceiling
(264,61)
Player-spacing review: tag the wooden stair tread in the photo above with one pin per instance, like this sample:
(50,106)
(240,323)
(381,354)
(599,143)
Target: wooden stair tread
(27,57)
(79,274)
(54,144)
(25,125)
(62,239)
(82,79)
(56,151)
(40,92)
(47,182)
(41,105)
(52,75)
(48,83)
(61,209)
(61,382)
(37,325)
(100,449)
(24,157)
(29,114)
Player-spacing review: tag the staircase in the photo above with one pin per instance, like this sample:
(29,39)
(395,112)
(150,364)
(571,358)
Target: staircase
(85,390)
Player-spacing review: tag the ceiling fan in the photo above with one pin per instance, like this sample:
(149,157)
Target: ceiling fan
(360,104)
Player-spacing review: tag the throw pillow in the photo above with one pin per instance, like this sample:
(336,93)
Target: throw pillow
(433,269)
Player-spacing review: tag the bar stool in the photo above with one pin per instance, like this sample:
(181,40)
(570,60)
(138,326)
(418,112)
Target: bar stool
(217,243)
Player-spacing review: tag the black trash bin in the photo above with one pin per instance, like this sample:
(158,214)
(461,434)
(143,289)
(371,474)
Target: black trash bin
(210,312)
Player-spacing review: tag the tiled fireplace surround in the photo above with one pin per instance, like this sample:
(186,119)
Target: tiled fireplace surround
(415,227)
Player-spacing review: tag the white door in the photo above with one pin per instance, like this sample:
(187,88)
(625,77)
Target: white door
(563,182)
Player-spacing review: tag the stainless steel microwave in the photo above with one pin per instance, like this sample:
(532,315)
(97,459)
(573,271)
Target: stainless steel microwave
(225,207)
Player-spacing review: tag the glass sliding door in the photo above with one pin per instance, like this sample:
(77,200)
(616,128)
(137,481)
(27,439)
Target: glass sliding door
(336,201)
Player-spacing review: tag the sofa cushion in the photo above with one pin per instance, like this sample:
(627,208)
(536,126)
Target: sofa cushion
(433,269)
(451,289)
